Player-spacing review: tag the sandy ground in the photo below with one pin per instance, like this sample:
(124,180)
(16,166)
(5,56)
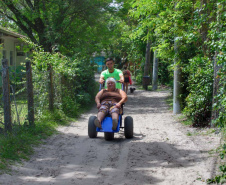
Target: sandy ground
(161,151)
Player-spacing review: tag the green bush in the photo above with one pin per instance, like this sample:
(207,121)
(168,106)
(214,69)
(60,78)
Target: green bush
(70,107)
(200,80)
(139,78)
(74,84)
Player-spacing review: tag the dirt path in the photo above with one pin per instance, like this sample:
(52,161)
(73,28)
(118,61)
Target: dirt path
(160,152)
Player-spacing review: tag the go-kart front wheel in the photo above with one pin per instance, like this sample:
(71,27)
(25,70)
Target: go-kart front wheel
(128,127)
(91,127)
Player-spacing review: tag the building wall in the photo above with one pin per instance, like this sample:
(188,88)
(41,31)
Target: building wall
(9,51)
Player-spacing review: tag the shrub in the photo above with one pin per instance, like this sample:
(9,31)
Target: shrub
(200,81)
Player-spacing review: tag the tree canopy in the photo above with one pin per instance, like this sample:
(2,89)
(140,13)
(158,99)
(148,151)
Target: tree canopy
(55,23)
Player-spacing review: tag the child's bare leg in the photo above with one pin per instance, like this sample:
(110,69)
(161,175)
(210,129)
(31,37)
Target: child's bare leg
(126,88)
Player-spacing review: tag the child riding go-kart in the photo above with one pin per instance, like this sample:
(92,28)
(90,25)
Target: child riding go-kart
(107,124)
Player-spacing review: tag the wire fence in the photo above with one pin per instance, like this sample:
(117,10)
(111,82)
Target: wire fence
(29,91)
(20,88)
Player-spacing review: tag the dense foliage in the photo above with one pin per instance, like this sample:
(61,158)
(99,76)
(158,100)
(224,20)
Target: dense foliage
(65,25)
(199,99)
(198,28)
(74,84)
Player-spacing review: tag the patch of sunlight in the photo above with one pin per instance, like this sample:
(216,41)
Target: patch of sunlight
(46,159)
(39,179)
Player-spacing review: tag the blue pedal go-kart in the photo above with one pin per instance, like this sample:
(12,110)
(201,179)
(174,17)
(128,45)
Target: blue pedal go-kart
(107,126)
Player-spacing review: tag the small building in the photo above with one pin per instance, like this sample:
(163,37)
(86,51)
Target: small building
(99,61)
(11,48)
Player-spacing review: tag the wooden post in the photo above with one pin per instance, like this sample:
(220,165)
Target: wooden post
(6,96)
(155,72)
(146,78)
(177,75)
(177,80)
(51,93)
(30,95)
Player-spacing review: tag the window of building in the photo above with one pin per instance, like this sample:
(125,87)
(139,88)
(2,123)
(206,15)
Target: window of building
(20,53)
(4,54)
(2,42)
(11,58)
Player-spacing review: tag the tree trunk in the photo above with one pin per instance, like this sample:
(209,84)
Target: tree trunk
(51,89)
(177,81)
(155,72)
(30,95)
(204,28)
(146,77)
(147,59)
(6,96)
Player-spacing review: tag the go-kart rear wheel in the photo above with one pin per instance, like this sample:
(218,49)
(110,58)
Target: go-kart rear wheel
(91,127)
(128,127)
(108,136)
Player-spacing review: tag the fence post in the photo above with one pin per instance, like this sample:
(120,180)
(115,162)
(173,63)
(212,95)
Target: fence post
(51,94)
(6,96)
(30,95)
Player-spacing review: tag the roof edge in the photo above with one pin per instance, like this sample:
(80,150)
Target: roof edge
(6,31)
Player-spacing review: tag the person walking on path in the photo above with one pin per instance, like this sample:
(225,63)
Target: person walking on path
(111,72)
(127,78)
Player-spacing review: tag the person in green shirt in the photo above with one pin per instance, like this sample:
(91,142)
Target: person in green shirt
(111,72)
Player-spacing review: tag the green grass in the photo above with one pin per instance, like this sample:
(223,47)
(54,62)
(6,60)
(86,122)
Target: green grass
(22,112)
(189,134)
(19,144)
(140,87)
(169,101)
(20,107)
(184,120)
